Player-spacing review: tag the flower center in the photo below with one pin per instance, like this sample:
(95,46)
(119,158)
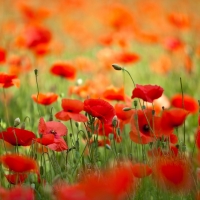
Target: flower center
(146,128)
(53,132)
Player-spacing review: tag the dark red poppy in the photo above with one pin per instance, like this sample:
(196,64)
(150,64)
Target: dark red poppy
(19,163)
(45,99)
(172,118)
(71,110)
(17,136)
(141,170)
(101,109)
(51,135)
(173,173)
(147,92)
(190,104)
(64,69)
(8,80)
(114,94)
(2,55)
(16,178)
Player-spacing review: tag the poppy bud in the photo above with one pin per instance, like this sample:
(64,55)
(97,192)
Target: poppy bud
(51,117)
(111,136)
(33,185)
(108,146)
(36,72)
(114,121)
(23,125)
(76,124)
(116,67)
(135,103)
(118,131)
(126,109)
(16,122)
(143,107)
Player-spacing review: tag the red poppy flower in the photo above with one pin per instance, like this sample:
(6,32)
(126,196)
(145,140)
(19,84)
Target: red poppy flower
(63,69)
(18,192)
(34,35)
(16,178)
(2,55)
(141,170)
(45,99)
(17,136)
(172,118)
(173,173)
(147,92)
(100,109)
(8,80)
(71,110)
(52,132)
(173,44)
(19,163)
(114,94)
(144,127)
(190,104)
(179,20)
(127,57)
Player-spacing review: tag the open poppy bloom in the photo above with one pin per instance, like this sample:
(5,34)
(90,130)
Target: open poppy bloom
(63,69)
(101,109)
(113,93)
(16,178)
(190,104)
(20,164)
(147,92)
(145,127)
(172,118)
(8,80)
(52,133)
(17,136)
(71,110)
(173,173)
(141,170)
(45,99)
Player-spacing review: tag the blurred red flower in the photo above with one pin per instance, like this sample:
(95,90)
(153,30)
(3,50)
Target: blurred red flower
(2,55)
(101,109)
(147,92)
(127,57)
(141,170)
(190,104)
(16,178)
(113,93)
(17,136)
(8,80)
(71,110)
(45,98)
(63,69)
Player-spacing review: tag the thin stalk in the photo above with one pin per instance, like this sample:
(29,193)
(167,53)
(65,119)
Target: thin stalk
(6,107)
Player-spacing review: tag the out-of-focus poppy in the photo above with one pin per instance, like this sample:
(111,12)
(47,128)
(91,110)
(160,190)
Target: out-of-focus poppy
(2,55)
(147,92)
(126,57)
(172,44)
(101,109)
(52,133)
(16,178)
(172,118)
(113,93)
(45,98)
(17,136)
(34,35)
(19,163)
(179,20)
(173,173)
(189,103)
(8,80)
(63,69)
(71,110)
(18,192)
(144,127)
(141,170)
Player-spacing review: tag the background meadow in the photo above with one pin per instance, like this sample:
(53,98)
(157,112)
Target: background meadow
(66,48)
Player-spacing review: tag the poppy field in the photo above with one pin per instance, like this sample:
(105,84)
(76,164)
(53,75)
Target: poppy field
(100,100)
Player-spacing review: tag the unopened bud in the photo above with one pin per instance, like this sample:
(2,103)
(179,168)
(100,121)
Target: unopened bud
(118,131)
(76,124)
(116,67)
(16,122)
(114,121)
(23,125)
(111,136)
(135,103)
(36,71)
(126,109)
(108,146)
